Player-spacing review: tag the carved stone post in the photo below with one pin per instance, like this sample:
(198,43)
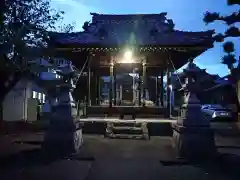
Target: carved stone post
(64,134)
(192,134)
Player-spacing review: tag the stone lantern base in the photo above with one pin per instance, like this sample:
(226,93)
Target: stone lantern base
(64,134)
(193,142)
(193,136)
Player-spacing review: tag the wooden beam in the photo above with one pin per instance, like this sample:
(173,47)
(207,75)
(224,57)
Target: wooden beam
(137,49)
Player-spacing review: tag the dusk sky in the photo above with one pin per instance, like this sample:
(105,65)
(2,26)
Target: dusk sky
(186,14)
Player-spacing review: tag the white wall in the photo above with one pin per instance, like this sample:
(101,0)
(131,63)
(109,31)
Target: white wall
(19,104)
(15,102)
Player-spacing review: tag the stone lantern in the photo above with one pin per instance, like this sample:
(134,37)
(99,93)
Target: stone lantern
(192,134)
(64,134)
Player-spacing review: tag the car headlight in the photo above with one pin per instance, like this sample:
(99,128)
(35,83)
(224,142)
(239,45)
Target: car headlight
(214,115)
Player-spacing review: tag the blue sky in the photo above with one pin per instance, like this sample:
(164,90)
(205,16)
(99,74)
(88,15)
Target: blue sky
(186,14)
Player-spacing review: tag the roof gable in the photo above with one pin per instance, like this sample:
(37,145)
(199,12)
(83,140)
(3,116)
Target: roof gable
(142,30)
(133,22)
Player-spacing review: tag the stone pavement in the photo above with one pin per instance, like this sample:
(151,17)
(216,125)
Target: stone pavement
(21,157)
(103,159)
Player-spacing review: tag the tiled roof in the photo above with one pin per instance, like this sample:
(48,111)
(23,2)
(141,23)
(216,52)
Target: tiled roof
(117,30)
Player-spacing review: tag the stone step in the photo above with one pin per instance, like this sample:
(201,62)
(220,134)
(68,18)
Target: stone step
(127,128)
(127,131)
(126,124)
(129,136)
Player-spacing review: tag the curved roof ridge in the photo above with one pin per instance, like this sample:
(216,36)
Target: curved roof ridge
(142,14)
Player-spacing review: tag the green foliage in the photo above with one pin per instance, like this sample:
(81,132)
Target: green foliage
(210,17)
(228,47)
(232,31)
(232,2)
(24,28)
(229,60)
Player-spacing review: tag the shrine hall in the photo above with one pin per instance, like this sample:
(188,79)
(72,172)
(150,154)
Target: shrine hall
(132,57)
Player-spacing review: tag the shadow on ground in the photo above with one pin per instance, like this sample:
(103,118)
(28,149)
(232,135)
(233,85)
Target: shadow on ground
(226,129)
(37,157)
(35,164)
(224,165)
(26,158)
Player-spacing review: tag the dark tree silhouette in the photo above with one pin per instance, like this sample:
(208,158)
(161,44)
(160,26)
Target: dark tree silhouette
(24,26)
(229,59)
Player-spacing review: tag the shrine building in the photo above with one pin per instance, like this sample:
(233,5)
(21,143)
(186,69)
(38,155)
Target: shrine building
(136,52)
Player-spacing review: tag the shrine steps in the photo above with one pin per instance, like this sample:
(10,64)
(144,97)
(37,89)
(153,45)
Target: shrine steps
(127,130)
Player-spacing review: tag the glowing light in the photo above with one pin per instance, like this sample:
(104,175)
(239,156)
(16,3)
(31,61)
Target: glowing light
(34,94)
(128,55)
(39,96)
(133,74)
(43,98)
(127,58)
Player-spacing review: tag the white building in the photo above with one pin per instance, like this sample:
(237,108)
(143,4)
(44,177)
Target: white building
(26,100)
(21,102)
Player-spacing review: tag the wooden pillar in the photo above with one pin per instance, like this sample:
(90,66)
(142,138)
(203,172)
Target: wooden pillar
(144,82)
(114,86)
(133,87)
(168,90)
(139,88)
(89,86)
(87,97)
(97,89)
(157,91)
(161,88)
(167,85)
(120,93)
(111,85)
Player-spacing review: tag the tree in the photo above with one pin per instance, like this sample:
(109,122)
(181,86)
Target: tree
(229,59)
(24,26)
(23,31)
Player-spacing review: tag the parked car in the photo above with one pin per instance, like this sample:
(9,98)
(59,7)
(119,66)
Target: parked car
(216,112)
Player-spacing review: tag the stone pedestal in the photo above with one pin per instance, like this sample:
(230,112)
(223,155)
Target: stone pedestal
(193,142)
(64,134)
(192,135)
